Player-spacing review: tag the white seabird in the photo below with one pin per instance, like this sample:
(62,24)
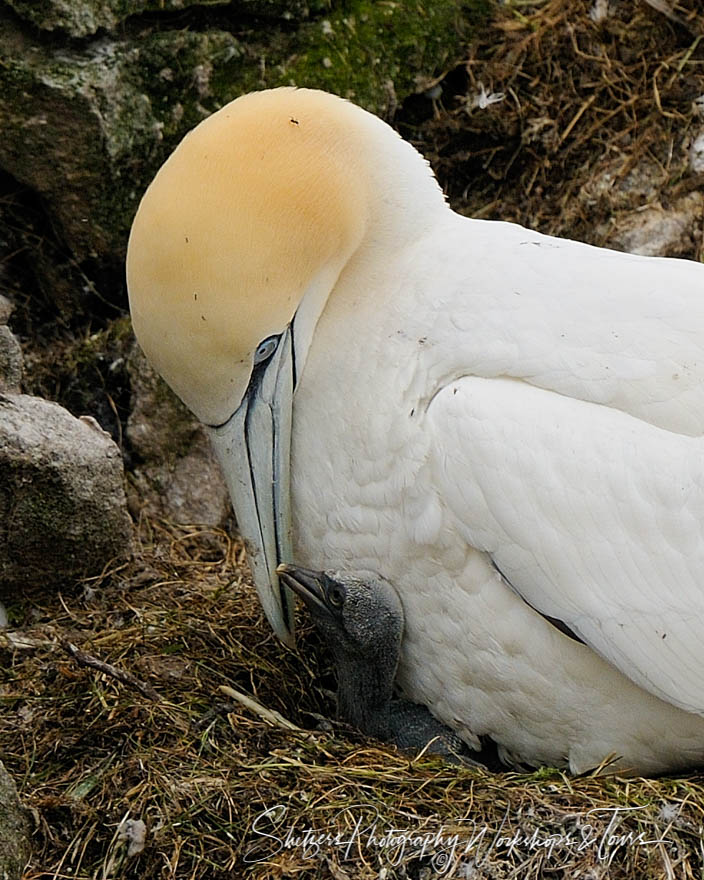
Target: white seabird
(505,425)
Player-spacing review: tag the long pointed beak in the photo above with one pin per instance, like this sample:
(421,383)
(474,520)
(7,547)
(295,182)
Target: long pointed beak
(253,448)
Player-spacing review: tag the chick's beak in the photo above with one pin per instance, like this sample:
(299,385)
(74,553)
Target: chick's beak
(305,583)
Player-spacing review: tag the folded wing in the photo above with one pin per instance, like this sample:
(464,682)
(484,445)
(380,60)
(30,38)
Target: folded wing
(594,516)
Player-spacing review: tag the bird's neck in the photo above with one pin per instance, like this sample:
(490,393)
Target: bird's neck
(364,696)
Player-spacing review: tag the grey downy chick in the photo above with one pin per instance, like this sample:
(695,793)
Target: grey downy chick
(360,617)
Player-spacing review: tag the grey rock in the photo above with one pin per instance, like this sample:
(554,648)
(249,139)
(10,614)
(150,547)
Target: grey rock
(179,476)
(638,221)
(5,309)
(63,513)
(661,232)
(10,360)
(696,153)
(81,18)
(14,830)
(622,189)
(10,351)
(196,490)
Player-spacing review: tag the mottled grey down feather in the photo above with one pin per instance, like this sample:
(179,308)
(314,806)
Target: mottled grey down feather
(360,617)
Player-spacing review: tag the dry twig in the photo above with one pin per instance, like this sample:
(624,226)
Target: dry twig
(122,675)
(270,715)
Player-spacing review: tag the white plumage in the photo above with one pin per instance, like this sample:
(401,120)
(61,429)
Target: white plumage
(505,425)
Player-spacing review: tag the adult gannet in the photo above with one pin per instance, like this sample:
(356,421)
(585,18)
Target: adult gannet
(506,425)
(360,617)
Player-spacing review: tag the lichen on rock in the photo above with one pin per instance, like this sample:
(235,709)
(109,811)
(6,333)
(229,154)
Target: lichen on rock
(10,360)
(82,18)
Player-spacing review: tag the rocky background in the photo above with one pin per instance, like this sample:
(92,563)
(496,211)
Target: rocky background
(579,118)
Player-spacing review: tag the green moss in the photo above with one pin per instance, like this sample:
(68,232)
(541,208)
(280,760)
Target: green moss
(76,358)
(379,52)
(371,51)
(16,613)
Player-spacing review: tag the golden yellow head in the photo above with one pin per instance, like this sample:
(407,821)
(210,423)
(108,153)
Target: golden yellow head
(255,203)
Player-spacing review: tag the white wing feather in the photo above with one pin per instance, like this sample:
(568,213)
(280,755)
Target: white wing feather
(567,422)
(594,516)
(593,324)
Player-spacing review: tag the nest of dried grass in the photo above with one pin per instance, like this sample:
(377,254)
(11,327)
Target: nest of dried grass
(587,103)
(96,756)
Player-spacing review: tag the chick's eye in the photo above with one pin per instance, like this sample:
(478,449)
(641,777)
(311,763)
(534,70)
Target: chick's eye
(265,349)
(336,595)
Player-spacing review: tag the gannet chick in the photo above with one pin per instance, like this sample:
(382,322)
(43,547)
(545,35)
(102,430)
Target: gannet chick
(360,617)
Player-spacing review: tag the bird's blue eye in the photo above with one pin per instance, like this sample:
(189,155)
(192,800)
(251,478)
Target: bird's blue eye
(265,349)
